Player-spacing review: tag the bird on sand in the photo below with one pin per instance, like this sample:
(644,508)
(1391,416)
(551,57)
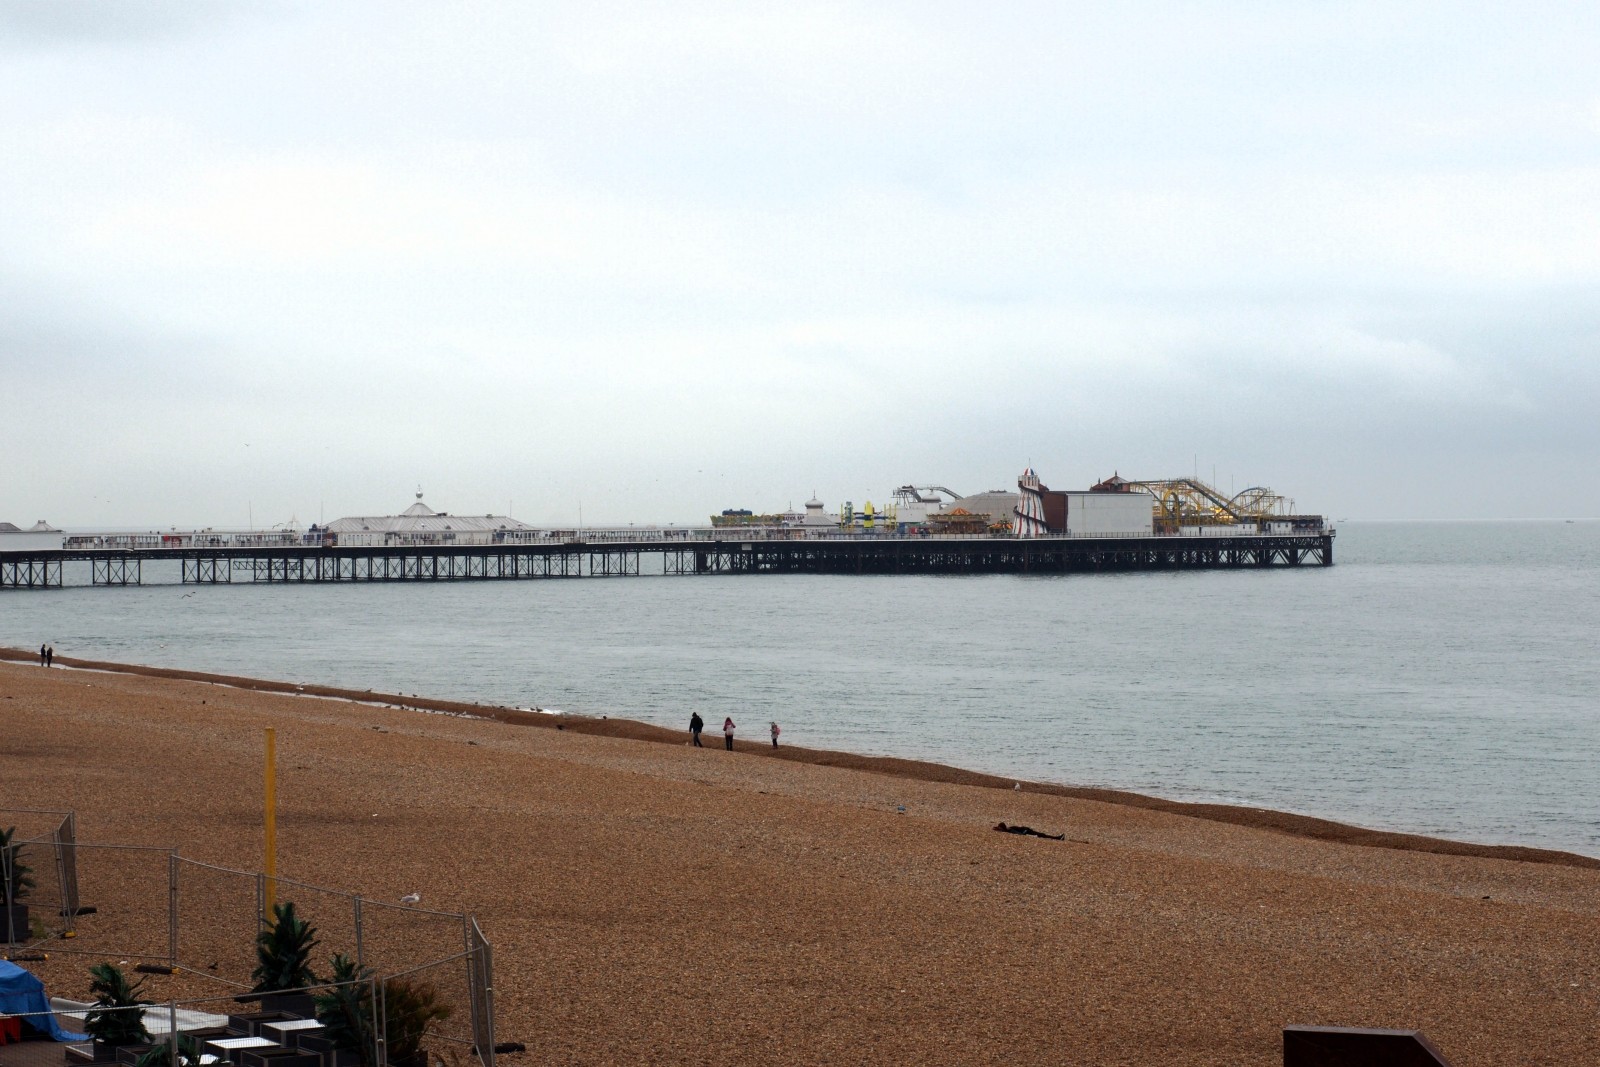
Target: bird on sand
(411,898)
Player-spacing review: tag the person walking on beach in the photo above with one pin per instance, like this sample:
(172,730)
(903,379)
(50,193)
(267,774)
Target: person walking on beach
(42,662)
(696,724)
(49,655)
(775,733)
(727,732)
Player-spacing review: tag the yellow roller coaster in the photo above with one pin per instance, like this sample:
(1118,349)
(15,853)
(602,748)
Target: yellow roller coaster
(1190,502)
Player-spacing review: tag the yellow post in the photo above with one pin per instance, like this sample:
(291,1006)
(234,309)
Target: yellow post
(272,817)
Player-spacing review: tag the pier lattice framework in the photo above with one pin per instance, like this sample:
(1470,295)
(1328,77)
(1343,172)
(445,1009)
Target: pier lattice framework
(887,555)
(1061,555)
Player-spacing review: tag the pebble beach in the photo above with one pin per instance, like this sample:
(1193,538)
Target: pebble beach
(650,902)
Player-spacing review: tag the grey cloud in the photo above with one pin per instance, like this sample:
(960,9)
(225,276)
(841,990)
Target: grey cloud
(551,251)
(72,22)
(54,337)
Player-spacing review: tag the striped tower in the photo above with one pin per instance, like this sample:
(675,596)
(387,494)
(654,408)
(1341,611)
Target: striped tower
(1028,516)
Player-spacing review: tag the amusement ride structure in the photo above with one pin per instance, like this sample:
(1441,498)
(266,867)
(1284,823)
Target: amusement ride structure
(1189,502)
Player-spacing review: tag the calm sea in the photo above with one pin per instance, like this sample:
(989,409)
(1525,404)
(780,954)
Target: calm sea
(1440,678)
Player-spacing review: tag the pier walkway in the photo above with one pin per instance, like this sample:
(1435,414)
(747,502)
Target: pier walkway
(122,566)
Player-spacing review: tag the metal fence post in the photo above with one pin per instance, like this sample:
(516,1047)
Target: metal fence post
(68,909)
(488,998)
(5,879)
(69,828)
(357,909)
(472,984)
(172,909)
(380,1024)
(480,992)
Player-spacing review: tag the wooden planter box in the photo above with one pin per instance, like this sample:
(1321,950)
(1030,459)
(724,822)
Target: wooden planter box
(298,1005)
(248,1024)
(97,1052)
(280,1057)
(323,1047)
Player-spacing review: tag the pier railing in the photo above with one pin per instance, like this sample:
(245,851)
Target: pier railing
(591,553)
(179,540)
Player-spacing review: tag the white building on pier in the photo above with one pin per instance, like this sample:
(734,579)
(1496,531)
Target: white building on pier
(421,525)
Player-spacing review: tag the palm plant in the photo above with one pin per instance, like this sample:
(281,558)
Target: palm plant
(345,1010)
(118,1015)
(410,1008)
(283,952)
(161,1055)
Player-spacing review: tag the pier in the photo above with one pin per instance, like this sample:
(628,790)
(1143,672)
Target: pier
(619,555)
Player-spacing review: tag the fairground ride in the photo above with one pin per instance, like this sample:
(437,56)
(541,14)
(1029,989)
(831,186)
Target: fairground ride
(1183,502)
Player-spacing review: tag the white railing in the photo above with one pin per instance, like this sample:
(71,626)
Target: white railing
(194,539)
(176,540)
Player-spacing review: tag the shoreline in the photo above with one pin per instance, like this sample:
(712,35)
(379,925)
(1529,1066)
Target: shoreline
(1288,823)
(727,903)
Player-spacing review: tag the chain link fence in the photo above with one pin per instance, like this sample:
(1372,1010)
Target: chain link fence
(38,890)
(159,908)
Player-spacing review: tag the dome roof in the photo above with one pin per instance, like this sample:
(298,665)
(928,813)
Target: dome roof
(419,518)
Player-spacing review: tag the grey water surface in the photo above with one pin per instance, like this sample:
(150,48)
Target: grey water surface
(1439,679)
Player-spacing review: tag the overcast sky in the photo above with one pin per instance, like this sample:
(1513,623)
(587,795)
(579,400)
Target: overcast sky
(263,261)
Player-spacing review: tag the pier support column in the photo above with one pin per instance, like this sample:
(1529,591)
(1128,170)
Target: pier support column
(30,574)
(207,570)
(116,571)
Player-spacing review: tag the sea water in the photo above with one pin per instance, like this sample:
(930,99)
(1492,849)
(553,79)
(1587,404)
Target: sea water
(1438,679)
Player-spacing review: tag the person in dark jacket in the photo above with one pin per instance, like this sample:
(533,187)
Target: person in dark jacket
(696,724)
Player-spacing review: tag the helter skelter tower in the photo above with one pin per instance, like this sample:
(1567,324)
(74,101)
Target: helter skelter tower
(1028,515)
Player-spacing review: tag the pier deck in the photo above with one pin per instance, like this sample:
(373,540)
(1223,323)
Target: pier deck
(45,569)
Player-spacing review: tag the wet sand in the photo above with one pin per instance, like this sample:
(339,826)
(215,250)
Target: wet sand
(651,902)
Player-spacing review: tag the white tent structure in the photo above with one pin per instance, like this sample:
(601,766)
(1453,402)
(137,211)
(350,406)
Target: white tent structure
(421,525)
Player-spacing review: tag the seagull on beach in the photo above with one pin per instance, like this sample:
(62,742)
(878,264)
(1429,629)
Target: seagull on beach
(411,898)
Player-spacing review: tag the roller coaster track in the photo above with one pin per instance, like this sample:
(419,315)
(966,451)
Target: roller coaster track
(915,492)
(1191,502)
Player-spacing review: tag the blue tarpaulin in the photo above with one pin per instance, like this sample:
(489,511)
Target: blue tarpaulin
(23,994)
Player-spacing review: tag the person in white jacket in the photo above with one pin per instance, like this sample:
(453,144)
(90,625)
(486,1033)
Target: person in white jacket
(727,732)
(775,733)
